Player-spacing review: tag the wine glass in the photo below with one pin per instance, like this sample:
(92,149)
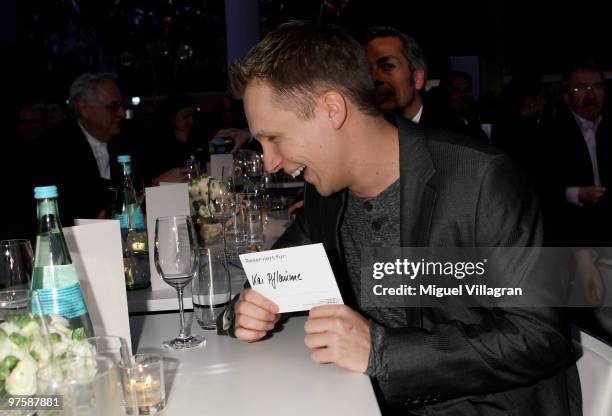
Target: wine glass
(192,166)
(16,262)
(254,165)
(221,203)
(176,260)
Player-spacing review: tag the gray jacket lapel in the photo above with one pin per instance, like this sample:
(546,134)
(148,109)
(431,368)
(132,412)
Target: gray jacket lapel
(417,196)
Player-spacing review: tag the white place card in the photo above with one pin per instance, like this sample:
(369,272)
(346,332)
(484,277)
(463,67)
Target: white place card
(163,201)
(95,248)
(221,165)
(296,278)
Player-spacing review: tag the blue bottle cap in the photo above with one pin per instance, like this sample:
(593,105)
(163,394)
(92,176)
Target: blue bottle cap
(124,159)
(42,192)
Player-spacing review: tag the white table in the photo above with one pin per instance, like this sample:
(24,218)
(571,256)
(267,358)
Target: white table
(271,377)
(148,300)
(595,369)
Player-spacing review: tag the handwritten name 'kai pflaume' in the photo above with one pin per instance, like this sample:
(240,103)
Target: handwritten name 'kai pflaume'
(275,278)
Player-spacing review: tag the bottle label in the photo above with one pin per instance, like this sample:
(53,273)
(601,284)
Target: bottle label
(59,291)
(66,301)
(55,276)
(138,221)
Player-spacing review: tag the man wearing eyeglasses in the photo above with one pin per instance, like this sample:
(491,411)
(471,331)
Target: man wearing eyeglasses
(79,155)
(581,150)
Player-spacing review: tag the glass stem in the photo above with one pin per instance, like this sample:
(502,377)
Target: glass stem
(224,239)
(182,334)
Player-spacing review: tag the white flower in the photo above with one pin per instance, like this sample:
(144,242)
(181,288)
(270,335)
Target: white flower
(31,330)
(60,320)
(7,347)
(215,189)
(22,380)
(9,327)
(41,352)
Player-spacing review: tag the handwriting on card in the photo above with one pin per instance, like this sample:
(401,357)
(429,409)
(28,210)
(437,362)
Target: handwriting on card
(275,278)
(296,278)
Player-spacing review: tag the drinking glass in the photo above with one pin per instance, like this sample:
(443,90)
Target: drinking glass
(15,302)
(176,260)
(113,347)
(19,307)
(254,221)
(221,203)
(87,385)
(254,166)
(235,231)
(16,262)
(211,289)
(192,167)
(116,349)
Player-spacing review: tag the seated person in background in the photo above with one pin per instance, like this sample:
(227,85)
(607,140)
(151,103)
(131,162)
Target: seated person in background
(79,154)
(55,112)
(174,143)
(399,71)
(519,130)
(453,106)
(324,119)
(18,211)
(31,121)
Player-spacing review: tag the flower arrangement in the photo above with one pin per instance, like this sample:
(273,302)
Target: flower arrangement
(198,205)
(24,347)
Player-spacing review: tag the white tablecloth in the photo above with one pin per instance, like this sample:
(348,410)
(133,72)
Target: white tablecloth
(272,377)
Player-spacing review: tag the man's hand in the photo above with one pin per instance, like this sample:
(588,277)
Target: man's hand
(293,208)
(239,136)
(588,278)
(173,175)
(255,316)
(590,194)
(339,335)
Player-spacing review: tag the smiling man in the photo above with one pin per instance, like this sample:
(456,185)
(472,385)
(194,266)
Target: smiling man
(309,100)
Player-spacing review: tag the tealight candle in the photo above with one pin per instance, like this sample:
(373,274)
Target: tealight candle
(145,383)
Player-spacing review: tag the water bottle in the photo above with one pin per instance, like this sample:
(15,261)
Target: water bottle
(133,232)
(54,277)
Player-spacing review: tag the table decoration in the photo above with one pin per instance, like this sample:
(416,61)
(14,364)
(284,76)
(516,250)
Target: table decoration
(209,230)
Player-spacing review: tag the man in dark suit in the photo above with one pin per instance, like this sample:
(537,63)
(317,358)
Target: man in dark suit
(324,120)
(399,71)
(79,154)
(581,174)
(582,141)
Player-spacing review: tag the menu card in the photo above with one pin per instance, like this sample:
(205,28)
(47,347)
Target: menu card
(95,248)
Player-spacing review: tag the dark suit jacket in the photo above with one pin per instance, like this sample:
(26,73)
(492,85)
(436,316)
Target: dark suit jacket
(585,225)
(65,159)
(459,360)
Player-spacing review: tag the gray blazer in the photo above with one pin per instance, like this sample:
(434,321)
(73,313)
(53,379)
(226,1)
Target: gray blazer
(459,360)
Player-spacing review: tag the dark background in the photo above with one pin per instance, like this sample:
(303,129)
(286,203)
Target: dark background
(158,46)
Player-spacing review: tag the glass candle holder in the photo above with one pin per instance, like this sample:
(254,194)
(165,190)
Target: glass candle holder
(144,382)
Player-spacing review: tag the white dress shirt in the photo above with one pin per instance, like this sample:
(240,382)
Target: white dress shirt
(100,151)
(417,118)
(589,133)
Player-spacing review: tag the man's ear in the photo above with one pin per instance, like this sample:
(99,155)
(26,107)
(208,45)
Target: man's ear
(418,77)
(82,108)
(335,107)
